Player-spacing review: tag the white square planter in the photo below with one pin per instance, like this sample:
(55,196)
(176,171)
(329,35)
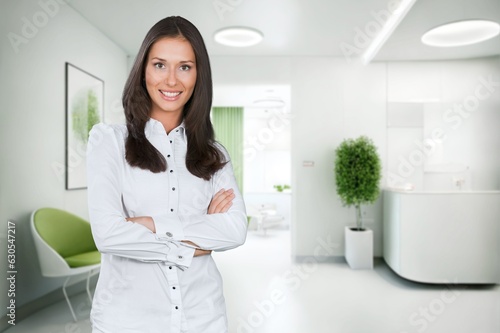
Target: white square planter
(359,248)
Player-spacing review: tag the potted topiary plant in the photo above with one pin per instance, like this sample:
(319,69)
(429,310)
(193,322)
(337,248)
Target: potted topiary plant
(357,176)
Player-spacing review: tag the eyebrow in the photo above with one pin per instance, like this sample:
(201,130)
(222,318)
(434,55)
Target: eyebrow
(182,62)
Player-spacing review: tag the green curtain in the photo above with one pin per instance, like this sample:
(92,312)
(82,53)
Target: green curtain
(228,127)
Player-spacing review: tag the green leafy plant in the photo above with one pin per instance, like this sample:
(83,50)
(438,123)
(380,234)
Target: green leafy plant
(280,188)
(357,174)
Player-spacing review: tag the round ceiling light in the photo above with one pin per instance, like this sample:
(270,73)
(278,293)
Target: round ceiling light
(461,33)
(238,36)
(269,102)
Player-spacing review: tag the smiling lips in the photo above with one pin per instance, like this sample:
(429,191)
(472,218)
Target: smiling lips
(170,95)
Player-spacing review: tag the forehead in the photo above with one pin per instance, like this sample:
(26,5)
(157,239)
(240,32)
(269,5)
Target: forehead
(171,48)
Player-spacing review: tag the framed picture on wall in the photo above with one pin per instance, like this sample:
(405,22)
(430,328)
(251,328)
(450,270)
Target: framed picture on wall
(84,109)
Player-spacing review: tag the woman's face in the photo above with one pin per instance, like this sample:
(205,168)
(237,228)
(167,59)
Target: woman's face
(170,75)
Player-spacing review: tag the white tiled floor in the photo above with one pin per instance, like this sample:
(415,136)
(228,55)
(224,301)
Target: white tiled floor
(266,292)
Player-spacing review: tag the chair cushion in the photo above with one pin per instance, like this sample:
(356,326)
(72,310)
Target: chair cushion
(66,233)
(84,259)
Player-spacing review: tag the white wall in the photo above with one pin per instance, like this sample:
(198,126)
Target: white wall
(331,100)
(32,120)
(250,70)
(458,99)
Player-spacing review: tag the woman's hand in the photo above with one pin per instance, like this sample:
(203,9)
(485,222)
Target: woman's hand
(221,202)
(197,252)
(146,221)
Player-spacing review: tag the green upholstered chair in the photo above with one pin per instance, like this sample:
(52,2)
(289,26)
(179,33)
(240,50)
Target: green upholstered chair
(65,246)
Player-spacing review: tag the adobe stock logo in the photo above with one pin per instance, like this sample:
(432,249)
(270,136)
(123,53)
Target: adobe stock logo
(276,124)
(454,116)
(429,313)
(285,285)
(31,27)
(224,6)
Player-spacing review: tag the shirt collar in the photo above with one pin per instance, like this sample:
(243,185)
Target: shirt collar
(153,126)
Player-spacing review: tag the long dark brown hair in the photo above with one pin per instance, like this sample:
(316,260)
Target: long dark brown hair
(203,158)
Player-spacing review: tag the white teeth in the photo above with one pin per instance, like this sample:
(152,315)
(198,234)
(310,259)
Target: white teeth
(170,94)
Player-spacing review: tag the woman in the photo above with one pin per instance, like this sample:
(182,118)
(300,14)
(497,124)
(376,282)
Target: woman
(162,195)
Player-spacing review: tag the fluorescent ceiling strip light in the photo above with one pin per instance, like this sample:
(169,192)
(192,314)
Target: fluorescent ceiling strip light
(390,25)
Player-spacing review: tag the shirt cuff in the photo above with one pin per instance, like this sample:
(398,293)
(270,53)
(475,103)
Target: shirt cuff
(168,227)
(181,255)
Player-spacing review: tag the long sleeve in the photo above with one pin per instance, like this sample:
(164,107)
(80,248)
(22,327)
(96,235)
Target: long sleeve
(112,233)
(218,232)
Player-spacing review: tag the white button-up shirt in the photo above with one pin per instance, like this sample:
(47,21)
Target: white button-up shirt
(151,283)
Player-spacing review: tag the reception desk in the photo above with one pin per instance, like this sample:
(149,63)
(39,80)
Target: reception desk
(443,237)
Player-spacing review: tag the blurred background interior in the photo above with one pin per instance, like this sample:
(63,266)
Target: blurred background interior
(320,71)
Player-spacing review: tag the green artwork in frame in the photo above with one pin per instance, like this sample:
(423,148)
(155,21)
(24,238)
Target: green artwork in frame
(84,109)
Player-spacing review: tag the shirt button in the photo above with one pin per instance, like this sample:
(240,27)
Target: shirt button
(173,188)
(171,209)
(169,234)
(177,130)
(168,155)
(171,171)
(180,257)
(170,141)
(173,288)
(176,307)
(169,267)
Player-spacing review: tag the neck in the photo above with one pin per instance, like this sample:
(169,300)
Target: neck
(169,120)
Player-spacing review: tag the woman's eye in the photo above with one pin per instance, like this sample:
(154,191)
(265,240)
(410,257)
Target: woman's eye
(159,65)
(185,67)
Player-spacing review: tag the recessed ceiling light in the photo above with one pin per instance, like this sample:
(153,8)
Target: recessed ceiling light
(461,33)
(238,36)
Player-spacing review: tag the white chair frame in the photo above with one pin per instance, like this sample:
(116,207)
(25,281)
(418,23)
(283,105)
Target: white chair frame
(53,265)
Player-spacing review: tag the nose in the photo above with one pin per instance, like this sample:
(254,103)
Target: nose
(171,78)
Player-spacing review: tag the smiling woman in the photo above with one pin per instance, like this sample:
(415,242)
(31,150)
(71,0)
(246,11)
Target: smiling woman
(139,97)
(162,195)
(170,78)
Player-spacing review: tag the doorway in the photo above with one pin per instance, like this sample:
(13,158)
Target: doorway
(266,153)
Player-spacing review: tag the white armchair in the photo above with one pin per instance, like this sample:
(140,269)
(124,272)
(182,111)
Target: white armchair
(265,217)
(65,247)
